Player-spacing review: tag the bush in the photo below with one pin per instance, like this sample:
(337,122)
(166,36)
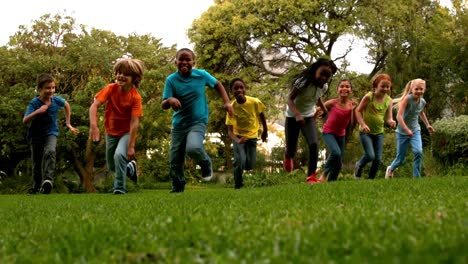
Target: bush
(450,142)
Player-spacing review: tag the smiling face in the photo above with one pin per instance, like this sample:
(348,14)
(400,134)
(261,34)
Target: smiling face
(238,90)
(185,63)
(418,88)
(345,89)
(124,81)
(47,90)
(383,87)
(323,74)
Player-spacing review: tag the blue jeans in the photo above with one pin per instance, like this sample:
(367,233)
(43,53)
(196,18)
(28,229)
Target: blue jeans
(334,162)
(373,149)
(116,157)
(187,141)
(43,156)
(245,156)
(403,141)
(309,130)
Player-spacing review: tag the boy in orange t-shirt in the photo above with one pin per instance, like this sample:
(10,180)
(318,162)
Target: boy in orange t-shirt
(122,113)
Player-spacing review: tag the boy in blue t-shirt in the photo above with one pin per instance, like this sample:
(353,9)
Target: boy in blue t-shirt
(41,116)
(184,92)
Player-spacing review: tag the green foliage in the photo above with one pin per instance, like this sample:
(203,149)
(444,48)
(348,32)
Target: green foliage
(450,143)
(403,221)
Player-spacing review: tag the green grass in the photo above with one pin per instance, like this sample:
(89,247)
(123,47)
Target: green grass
(381,221)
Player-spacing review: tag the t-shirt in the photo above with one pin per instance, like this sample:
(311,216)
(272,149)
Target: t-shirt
(337,120)
(374,114)
(411,115)
(190,91)
(246,121)
(306,100)
(120,107)
(45,124)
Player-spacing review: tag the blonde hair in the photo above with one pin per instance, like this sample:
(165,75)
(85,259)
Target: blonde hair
(408,90)
(131,67)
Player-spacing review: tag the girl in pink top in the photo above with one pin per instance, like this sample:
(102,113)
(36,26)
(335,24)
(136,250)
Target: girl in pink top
(334,130)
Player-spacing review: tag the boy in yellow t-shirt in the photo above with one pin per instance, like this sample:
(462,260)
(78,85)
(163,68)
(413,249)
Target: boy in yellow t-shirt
(243,129)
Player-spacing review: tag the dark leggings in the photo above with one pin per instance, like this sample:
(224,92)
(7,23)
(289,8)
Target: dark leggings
(309,130)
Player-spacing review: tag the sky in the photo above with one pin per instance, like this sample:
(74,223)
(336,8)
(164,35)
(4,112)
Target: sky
(168,20)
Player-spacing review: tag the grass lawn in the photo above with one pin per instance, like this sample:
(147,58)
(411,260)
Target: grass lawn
(381,221)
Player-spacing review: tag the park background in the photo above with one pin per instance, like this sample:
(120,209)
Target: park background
(263,42)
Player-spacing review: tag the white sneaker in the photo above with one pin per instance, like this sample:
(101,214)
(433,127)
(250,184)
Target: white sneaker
(388,173)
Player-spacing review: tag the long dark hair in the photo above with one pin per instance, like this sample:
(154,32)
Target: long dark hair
(307,76)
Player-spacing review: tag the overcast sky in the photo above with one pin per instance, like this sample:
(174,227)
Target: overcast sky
(164,19)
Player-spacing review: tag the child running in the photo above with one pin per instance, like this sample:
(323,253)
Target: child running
(334,130)
(410,108)
(121,120)
(243,129)
(375,108)
(307,88)
(184,92)
(41,116)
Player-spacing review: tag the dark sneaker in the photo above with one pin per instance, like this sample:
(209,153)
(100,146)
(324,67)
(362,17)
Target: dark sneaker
(119,192)
(46,187)
(33,191)
(357,172)
(177,186)
(207,175)
(132,172)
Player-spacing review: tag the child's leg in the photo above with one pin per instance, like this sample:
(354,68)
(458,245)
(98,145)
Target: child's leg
(309,130)
(369,154)
(250,154)
(37,151)
(176,159)
(121,161)
(291,131)
(402,147)
(111,146)
(49,158)
(334,157)
(377,142)
(416,145)
(196,150)
(239,164)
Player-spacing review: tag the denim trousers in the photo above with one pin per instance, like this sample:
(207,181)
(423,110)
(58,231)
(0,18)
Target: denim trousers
(373,149)
(245,156)
(187,141)
(309,130)
(334,162)
(43,156)
(116,157)
(403,141)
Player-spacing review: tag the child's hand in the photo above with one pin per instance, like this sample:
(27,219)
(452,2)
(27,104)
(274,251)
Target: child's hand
(175,103)
(300,119)
(392,123)
(43,109)
(264,136)
(431,129)
(408,132)
(72,129)
(365,129)
(242,140)
(94,134)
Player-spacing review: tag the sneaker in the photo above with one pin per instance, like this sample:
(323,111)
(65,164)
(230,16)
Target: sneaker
(133,176)
(207,176)
(357,172)
(288,164)
(388,173)
(33,191)
(312,179)
(46,187)
(119,192)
